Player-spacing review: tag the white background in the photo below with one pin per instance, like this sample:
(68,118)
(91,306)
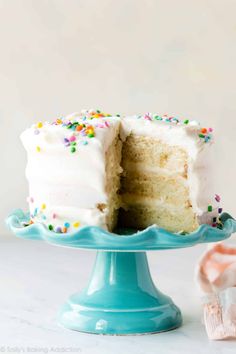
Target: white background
(168,56)
(127,56)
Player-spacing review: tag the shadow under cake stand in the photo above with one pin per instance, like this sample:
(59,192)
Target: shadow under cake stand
(121,297)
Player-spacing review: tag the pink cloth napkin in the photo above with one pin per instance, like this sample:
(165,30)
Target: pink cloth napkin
(216,275)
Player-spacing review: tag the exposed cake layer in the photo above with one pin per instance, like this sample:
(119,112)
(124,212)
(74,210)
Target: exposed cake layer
(165,188)
(154,152)
(154,186)
(142,216)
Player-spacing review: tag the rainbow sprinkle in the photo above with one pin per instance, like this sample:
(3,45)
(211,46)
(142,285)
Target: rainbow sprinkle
(39,125)
(39,213)
(81,127)
(215,221)
(209,208)
(63,229)
(205,134)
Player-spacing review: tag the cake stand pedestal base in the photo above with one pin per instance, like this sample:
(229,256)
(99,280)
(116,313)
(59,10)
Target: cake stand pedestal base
(120,299)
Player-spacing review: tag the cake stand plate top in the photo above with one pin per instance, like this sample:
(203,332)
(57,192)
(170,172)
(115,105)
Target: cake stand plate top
(92,237)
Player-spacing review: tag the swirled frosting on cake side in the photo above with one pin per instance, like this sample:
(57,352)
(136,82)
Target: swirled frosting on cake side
(66,169)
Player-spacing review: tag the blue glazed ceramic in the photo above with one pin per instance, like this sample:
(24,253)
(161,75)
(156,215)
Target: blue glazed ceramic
(92,237)
(120,297)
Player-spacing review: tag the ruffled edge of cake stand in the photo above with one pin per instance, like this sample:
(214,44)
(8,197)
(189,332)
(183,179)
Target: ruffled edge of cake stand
(93,237)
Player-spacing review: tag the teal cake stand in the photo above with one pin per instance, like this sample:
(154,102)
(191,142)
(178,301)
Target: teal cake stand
(120,297)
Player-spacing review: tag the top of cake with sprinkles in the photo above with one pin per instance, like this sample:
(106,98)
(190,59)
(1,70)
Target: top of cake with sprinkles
(72,131)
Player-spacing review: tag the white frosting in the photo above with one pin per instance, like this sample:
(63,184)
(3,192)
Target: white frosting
(67,187)
(71,185)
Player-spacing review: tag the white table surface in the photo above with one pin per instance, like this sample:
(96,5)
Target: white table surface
(36,278)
